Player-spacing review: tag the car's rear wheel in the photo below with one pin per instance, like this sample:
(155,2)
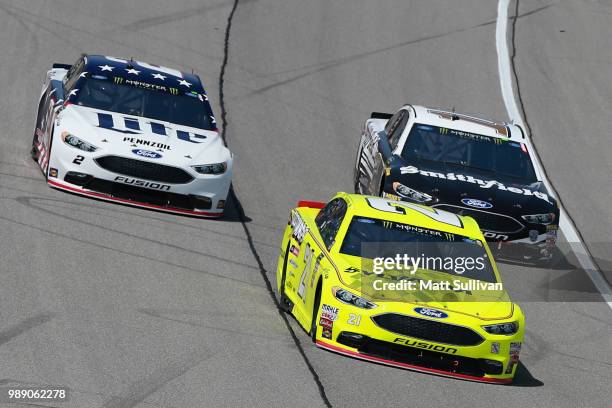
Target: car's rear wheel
(34,152)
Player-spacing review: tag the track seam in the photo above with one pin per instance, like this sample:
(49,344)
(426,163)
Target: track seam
(516,78)
(599,279)
(242,216)
(528,126)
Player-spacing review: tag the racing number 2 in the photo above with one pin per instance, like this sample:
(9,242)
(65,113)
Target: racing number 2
(400,208)
(78,160)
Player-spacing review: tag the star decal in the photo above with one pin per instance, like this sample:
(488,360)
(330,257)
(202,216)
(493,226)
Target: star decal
(83,74)
(183,82)
(132,71)
(73,92)
(159,76)
(106,68)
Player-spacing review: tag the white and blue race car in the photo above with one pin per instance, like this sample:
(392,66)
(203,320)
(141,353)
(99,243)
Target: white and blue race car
(131,132)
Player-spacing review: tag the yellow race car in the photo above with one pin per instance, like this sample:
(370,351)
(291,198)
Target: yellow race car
(390,282)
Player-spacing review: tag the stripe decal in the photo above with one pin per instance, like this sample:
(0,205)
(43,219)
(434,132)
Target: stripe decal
(182,135)
(158,128)
(105,121)
(132,124)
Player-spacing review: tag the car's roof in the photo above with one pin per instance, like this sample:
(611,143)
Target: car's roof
(466,123)
(360,206)
(149,73)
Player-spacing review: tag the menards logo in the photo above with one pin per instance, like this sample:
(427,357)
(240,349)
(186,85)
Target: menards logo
(469,179)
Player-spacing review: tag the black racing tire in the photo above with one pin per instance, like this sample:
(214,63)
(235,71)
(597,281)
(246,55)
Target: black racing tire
(357,173)
(284,302)
(34,151)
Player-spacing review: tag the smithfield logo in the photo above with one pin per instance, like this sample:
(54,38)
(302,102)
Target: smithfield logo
(146,153)
(431,312)
(472,202)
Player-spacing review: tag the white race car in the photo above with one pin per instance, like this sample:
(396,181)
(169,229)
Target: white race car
(134,133)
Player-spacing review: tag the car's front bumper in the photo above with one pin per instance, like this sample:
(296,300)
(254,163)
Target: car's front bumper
(354,333)
(417,365)
(203,196)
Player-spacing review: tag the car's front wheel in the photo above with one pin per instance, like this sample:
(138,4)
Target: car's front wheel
(285,304)
(315,313)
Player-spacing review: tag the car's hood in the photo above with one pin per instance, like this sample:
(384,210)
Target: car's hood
(473,188)
(479,303)
(143,138)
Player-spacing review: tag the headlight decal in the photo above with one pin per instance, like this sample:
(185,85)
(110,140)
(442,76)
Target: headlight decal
(214,168)
(544,219)
(412,194)
(505,329)
(350,298)
(73,141)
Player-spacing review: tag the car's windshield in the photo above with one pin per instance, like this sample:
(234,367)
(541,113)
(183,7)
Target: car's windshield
(466,149)
(439,251)
(188,109)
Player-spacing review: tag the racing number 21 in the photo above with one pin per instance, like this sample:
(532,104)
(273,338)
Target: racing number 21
(308,255)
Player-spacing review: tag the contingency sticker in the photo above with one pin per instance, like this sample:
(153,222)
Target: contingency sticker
(329,312)
(328,327)
(515,349)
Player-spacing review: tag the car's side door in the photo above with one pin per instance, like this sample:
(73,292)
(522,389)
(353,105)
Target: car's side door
(307,251)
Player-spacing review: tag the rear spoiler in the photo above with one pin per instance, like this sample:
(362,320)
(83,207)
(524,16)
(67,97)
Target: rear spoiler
(311,204)
(381,115)
(61,66)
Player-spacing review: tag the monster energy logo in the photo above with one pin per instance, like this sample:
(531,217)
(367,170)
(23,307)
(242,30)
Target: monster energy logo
(443,131)
(174,91)
(118,80)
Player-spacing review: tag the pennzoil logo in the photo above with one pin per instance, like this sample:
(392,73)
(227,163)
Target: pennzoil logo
(118,80)
(174,91)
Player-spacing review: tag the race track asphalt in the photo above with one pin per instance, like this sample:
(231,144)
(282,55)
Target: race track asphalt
(133,308)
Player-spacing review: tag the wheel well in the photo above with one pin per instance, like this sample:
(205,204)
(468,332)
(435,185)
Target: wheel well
(381,188)
(315,310)
(317,298)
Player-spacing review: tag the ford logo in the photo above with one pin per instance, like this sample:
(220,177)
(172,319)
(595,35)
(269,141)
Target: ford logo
(431,312)
(146,153)
(472,202)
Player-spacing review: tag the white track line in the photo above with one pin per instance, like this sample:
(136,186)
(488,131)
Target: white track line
(565,223)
